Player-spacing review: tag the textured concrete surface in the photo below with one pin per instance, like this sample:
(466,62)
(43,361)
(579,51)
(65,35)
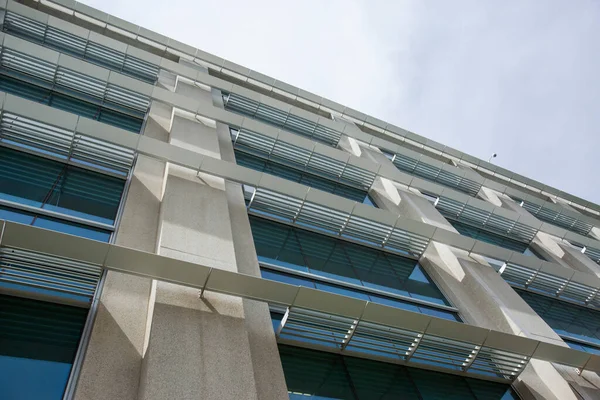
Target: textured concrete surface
(113,359)
(207,348)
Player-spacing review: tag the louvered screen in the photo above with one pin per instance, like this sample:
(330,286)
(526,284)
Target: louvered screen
(40,272)
(303,159)
(436,174)
(19,131)
(323,219)
(280,118)
(478,218)
(73,83)
(556,218)
(76,46)
(311,328)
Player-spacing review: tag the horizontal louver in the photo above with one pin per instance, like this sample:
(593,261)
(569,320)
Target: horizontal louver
(57,275)
(311,328)
(79,47)
(436,174)
(487,220)
(280,118)
(303,159)
(74,83)
(323,219)
(556,218)
(543,282)
(18,131)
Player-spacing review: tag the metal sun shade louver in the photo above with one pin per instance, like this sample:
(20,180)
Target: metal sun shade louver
(297,157)
(478,218)
(280,118)
(323,219)
(39,272)
(308,328)
(557,218)
(16,130)
(79,47)
(436,174)
(73,82)
(553,285)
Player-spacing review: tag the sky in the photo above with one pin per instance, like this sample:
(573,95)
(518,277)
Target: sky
(516,78)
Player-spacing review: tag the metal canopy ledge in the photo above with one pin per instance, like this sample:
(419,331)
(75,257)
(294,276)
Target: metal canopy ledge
(46,116)
(395,134)
(324,319)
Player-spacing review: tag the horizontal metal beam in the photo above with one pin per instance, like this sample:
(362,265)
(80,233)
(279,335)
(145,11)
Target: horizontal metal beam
(369,315)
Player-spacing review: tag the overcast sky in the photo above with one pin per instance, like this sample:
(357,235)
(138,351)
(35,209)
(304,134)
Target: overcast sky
(519,78)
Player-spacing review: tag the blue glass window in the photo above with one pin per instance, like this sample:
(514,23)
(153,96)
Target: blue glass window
(39,182)
(530,251)
(23,217)
(311,374)
(38,343)
(284,171)
(490,237)
(567,320)
(302,250)
(313,283)
(107,112)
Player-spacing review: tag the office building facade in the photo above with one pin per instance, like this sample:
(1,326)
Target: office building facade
(176,226)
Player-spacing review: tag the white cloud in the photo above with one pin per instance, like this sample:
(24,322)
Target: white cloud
(516,78)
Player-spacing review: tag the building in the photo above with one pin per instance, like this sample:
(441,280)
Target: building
(176,226)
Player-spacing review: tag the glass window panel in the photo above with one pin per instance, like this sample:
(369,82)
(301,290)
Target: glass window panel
(388,301)
(276,320)
(374,380)
(54,224)
(318,375)
(420,286)
(40,182)
(530,251)
(486,390)
(73,102)
(436,312)
(269,237)
(435,385)
(344,291)
(489,237)
(369,200)
(582,347)
(286,278)
(343,261)
(38,342)
(296,175)
(314,375)
(566,319)
(291,252)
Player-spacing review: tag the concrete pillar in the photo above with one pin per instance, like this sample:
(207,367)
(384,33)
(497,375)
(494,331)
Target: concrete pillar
(113,358)
(577,260)
(207,348)
(485,299)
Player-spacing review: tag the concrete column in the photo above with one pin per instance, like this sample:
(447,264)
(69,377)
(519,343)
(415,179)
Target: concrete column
(577,260)
(113,359)
(485,299)
(218,346)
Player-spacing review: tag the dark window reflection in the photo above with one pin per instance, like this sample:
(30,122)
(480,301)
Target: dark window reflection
(38,342)
(312,374)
